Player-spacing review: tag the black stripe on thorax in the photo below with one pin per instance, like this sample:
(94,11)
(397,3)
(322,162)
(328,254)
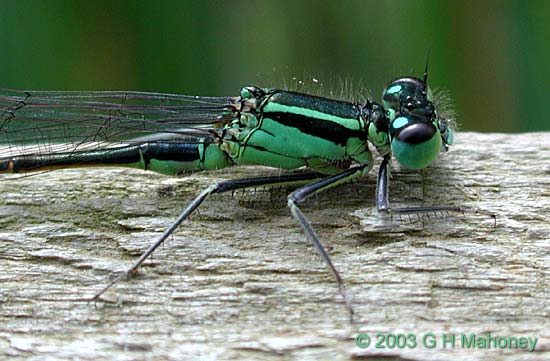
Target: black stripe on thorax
(321,128)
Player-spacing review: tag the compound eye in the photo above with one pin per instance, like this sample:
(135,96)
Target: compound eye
(416,133)
(416,145)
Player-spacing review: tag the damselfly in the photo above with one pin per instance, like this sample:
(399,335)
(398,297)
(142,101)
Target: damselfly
(178,134)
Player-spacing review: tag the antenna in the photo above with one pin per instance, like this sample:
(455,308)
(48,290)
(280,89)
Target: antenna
(426,70)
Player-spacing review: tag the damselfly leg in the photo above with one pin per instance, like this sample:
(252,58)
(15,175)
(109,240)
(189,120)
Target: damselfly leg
(383,204)
(294,198)
(300,195)
(220,187)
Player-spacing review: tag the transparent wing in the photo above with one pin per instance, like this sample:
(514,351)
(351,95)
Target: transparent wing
(47,122)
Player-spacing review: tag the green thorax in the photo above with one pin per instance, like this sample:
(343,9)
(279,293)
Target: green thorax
(288,130)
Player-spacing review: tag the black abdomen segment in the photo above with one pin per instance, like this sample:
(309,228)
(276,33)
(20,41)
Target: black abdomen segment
(168,158)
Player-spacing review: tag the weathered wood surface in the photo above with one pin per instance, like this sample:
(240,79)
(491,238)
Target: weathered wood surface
(240,280)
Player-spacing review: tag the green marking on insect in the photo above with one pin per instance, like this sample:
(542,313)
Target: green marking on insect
(394,89)
(178,134)
(400,122)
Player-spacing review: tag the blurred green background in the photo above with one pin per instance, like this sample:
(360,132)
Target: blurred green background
(493,56)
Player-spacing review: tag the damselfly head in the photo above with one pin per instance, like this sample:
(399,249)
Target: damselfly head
(417,135)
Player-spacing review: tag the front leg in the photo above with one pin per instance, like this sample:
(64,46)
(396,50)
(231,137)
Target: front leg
(383,204)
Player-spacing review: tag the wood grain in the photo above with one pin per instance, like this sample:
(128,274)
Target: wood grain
(241,281)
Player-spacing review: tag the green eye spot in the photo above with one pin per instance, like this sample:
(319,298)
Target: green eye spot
(400,122)
(394,89)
